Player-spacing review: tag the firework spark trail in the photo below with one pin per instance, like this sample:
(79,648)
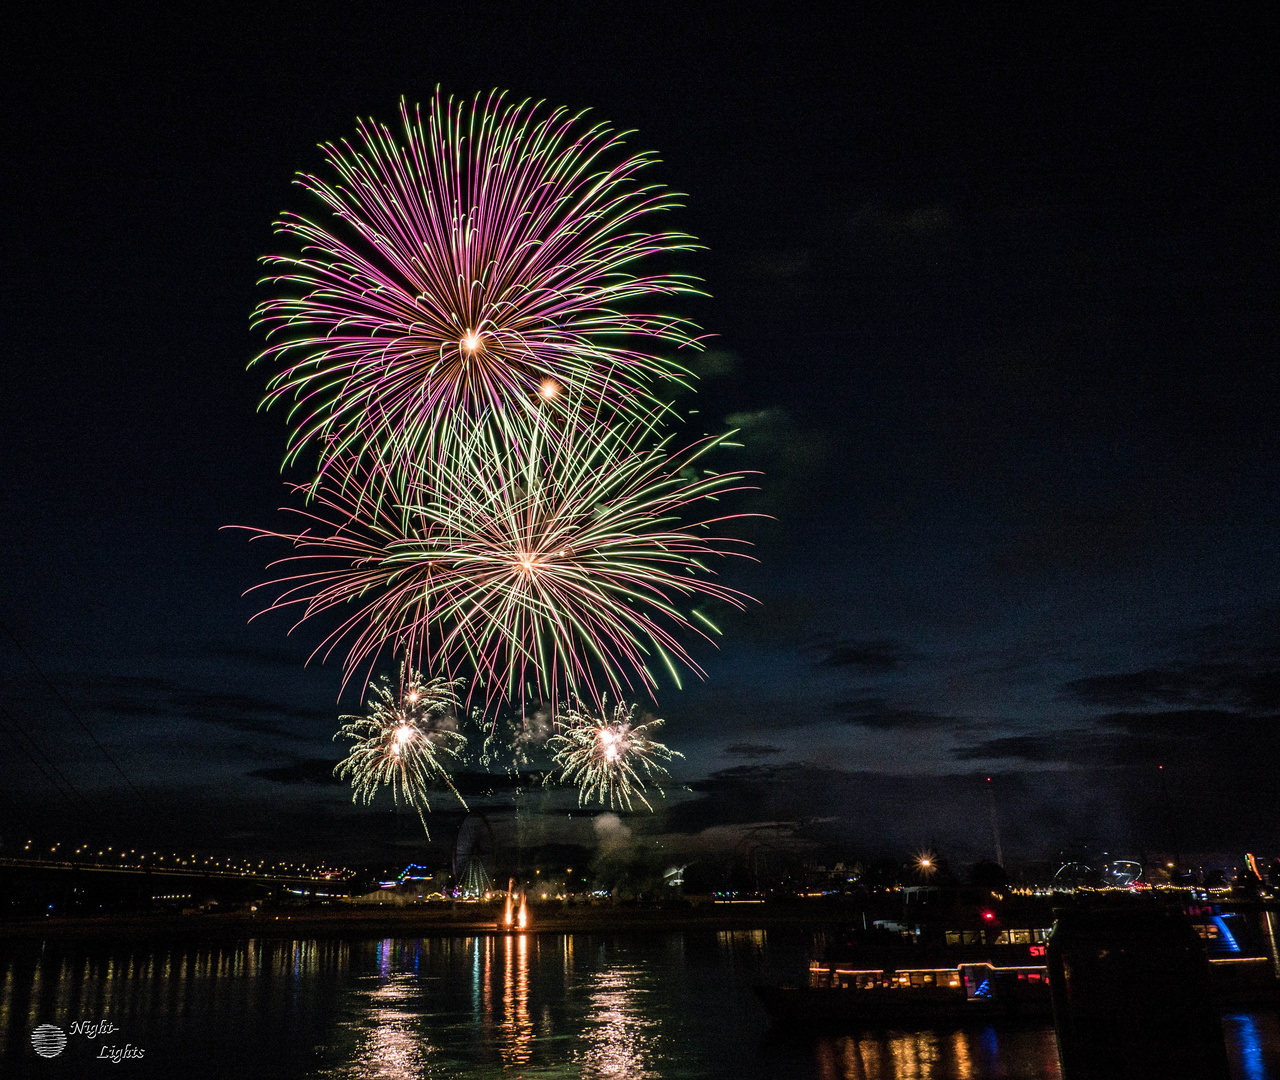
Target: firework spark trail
(485,264)
(559,564)
(402,741)
(607,754)
(363,553)
(459,349)
(569,558)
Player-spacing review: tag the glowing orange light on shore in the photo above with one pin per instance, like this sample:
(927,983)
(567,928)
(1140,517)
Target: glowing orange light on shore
(524,914)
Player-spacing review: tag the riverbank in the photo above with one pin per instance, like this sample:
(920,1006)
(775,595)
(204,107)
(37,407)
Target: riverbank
(425,920)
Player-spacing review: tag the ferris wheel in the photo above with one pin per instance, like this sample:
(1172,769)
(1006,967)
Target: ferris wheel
(472,857)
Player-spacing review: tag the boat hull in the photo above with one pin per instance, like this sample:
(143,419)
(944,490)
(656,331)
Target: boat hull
(795,1007)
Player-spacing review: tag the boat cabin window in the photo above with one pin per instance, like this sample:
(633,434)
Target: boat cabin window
(1018,937)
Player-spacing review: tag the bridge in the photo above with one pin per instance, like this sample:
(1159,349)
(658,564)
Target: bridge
(34,886)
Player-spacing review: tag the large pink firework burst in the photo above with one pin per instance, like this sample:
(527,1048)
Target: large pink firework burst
(567,563)
(486,260)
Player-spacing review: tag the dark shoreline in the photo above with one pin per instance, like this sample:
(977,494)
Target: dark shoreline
(425,921)
(445,920)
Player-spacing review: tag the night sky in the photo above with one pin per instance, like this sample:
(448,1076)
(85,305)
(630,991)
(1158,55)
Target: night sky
(996,305)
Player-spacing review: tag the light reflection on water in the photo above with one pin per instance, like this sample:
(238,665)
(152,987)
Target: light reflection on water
(1252,1040)
(969,1054)
(662,1006)
(517,1028)
(392,1049)
(620,1038)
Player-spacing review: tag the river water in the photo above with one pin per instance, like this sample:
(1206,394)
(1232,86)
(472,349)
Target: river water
(670,1005)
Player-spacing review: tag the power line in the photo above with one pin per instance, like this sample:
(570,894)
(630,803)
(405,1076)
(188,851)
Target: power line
(142,800)
(58,777)
(77,803)
(19,811)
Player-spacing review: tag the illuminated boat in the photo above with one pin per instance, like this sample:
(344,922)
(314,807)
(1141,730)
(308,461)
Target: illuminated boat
(876,985)
(974,974)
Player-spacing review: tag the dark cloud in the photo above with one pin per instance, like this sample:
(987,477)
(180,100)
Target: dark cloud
(142,697)
(1106,786)
(752,750)
(878,813)
(1014,398)
(474,785)
(877,713)
(306,771)
(1235,685)
(728,709)
(1215,727)
(873,657)
(1211,743)
(1063,746)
